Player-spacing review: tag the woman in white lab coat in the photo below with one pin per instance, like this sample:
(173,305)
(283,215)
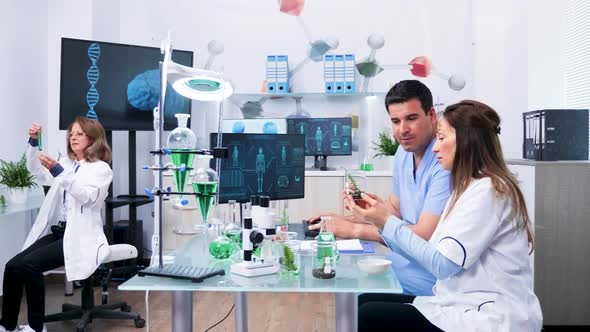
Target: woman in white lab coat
(79,185)
(480,251)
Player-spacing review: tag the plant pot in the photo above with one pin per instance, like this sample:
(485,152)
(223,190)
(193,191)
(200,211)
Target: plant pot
(18,195)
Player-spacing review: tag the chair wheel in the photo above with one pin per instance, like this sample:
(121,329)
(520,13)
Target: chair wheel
(126,308)
(80,329)
(139,323)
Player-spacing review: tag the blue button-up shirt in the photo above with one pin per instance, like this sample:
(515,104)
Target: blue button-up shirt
(426,191)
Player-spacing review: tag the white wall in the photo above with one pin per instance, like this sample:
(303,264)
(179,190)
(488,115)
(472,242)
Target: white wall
(519,61)
(66,18)
(23,68)
(500,65)
(23,91)
(546,61)
(252,30)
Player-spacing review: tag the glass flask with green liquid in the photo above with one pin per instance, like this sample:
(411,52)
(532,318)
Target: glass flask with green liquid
(181,142)
(221,247)
(205,185)
(205,182)
(232,229)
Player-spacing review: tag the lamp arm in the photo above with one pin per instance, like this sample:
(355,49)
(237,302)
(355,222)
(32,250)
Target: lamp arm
(219,144)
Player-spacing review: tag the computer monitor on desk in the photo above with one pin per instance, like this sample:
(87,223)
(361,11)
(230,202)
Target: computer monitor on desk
(261,164)
(323,137)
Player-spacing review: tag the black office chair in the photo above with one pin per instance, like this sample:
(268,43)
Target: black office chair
(88,310)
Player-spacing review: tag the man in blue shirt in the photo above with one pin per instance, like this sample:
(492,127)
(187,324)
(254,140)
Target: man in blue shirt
(421,187)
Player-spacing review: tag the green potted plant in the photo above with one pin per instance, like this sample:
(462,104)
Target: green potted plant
(17,178)
(385,147)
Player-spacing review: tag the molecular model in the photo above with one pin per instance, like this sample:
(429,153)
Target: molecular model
(420,66)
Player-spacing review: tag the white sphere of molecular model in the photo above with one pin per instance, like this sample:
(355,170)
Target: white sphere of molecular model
(215,47)
(456,82)
(332,42)
(376,41)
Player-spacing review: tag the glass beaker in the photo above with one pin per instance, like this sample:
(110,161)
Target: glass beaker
(185,225)
(325,256)
(354,184)
(290,258)
(366,164)
(182,141)
(205,185)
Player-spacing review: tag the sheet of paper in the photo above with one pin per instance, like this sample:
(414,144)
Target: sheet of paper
(349,245)
(342,245)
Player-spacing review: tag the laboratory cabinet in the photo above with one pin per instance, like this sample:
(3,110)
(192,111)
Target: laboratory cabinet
(558,196)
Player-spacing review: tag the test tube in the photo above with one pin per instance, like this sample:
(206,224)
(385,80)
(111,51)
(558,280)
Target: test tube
(232,210)
(40,140)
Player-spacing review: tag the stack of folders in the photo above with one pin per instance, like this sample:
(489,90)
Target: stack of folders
(339,73)
(277,74)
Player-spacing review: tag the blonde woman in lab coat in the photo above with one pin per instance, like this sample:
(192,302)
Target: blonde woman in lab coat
(480,249)
(79,185)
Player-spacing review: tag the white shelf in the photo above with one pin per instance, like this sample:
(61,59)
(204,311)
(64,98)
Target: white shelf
(340,173)
(308,95)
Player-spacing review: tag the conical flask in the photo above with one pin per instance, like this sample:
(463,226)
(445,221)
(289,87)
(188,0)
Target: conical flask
(205,185)
(180,141)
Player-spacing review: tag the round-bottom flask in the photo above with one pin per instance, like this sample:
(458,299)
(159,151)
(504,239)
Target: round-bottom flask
(221,247)
(233,230)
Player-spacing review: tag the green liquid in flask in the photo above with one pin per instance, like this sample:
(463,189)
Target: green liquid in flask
(206,192)
(221,249)
(178,159)
(234,236)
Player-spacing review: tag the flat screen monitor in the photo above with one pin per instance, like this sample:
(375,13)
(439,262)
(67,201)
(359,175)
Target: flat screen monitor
(255,126)
(261,164)
(324,136)
(117,82)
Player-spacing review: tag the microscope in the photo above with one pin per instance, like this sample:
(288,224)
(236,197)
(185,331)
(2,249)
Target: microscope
(262,217)
(251,238)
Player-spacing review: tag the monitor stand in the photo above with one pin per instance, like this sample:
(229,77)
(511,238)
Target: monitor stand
(320,162)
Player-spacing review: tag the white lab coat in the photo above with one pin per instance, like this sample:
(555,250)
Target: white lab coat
(494,291)
(85,245)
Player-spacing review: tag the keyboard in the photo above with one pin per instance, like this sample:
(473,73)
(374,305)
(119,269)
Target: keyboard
(306,231)
(176,271)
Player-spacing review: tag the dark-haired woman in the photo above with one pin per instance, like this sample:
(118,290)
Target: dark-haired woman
(79,185)
(480,250)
